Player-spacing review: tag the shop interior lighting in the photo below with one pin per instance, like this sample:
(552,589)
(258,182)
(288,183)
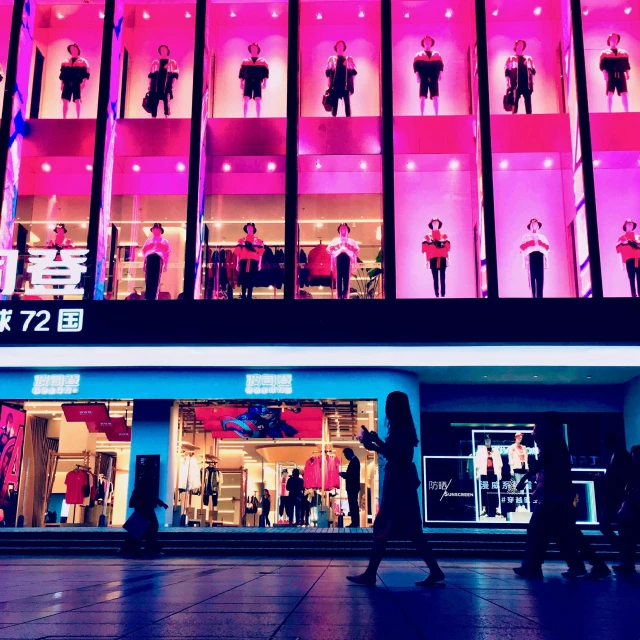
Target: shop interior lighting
(59,16)
(226,167)
(318,16)
(548,163)
(271,167)
(406,14)
(363,165)
(233,14)
(84,226)
(596,163)
(537,11)
(361,14)
(274,14)
(585,11)
(504,164)
(145,15)
(180,167)
(319,225)
(101,15)
(136,168)
(494,12)
(454,165)
(628,10)
(187,14)
(319,166)
(46,167)
(411,165)
(89,167)
(448,13)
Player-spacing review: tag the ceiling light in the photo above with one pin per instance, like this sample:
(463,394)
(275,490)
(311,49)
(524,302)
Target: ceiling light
(363,165)
(136,168)
(274,14)
(218,225)
(180,167)
(318,16)
(271,167)
(448,13)
(101,15)
(585,11)
(319,225)
(83,225)
(627,10)
(226,167)
(59,16)
(46,167)
(535,376)
(89,167)
(596,163)
(319,166)
(187,14)
(504,164)
(145,15)
(537,11)
(232,14)
(406,14)
(454,164)
(411,165)
(361,14)
(548,163)
(494,12)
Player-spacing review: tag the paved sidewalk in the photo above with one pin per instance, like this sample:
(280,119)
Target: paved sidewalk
(306,599)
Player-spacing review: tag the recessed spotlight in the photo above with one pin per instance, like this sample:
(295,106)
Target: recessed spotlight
(494,12)
(271,167)
(318,16)
(448,13)
(59,16)
(232,14)
(136,168)
(628,10)
(596,163)
(504,164)
(51,226)
(537,11)
(274,14)
(226,167)
(319,166)
(46,167)
(187,14)
(180,167)
(454,164)
(101,15)
(184,225)
(585,11)
(363,165)
(548,163)
(319,225)
(535,376)
(83,225)
(406,14)
(218,225)
(89,167)
(411,165)
(361,14)
(145,15)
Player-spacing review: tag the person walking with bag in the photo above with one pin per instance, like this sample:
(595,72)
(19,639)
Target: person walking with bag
(399,515)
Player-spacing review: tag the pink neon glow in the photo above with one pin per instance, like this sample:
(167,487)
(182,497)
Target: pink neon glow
(101,15)
(274,14)
(233,14)
(596,163)
(59,16)
(363,165)
(319,166)
(187,14)
(585,11)
(361,14)
(145,15)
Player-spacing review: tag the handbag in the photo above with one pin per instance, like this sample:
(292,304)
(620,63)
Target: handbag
(146,102)
(327,100)
(136,526)
(508,102)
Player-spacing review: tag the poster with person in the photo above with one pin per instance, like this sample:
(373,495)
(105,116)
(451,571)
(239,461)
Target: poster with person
(12,423)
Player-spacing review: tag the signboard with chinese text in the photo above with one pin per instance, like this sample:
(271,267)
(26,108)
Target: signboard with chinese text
(12,423)
(56,384)
(273,384)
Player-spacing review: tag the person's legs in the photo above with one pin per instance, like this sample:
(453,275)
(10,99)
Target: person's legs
(251,275)
(527,101)
(150,537)
(65,109)
(625,101)
(443,276)
(516,101)
(631,274)
(245,106)
(354,508)
(434,274)
(422,102)
(537,540)
(258,102)
(606,517)
(347,104)
(377,552)
(165,101)
(153,104)
(336,100)
(426,553)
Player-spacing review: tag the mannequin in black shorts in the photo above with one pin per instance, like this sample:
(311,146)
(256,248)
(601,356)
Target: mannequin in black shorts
(74,74)
(254,72)
(614,64)
(428,67)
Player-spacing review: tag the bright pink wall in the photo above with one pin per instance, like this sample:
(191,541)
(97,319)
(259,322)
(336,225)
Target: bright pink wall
(166,25)
(595,41)
(520,196)
(420,197)
(617,198)
(543,38)
(453,38)
(229,46)
(5,28)
(363,42)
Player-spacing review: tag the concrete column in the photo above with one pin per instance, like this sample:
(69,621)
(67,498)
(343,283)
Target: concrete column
(632,412)
(155,432)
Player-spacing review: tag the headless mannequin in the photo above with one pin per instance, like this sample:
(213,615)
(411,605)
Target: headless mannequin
(156,252)
(254,51)
(614,64)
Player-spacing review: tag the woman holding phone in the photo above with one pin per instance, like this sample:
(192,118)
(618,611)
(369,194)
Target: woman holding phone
(399,516)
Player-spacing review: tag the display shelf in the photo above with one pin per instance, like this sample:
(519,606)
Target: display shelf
(340,136)
(153,138)
(537,133)
(445,134)
(45,138)
(246,137)
(615,131)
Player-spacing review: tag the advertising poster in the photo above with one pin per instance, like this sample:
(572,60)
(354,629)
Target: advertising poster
(12,423)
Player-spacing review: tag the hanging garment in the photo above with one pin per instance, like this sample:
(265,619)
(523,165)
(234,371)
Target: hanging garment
(313,473)
(77,482)
(210,480)
(319,266)
(189,475)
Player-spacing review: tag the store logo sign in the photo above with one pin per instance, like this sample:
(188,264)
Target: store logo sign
(440,485)
(56,384)
(269,383)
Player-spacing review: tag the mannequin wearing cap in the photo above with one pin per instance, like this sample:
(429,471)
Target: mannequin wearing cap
(249,252)
(162,76)
(518,457)
(74,74)
(344,260)
(254,73)
(628,248)
(156,251)
(341,71)
(428,67)
(59,242)
(535,251)
(519,71)
(614,64)
(436,246)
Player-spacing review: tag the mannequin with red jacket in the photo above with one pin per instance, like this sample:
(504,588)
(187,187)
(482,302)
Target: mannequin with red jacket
(535,248)
(436,246)
(628,248)
(249,252)
(344,260)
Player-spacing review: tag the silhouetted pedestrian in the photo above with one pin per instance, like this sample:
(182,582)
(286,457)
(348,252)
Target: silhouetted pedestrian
(295,487)
(266,507)
(352,481)
(629,518)
(399,516)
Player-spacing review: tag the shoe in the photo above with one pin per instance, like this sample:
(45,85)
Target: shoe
(575,573)
(598,572)
(432,580)
(530,574)
(499,515)
(363,579)
(624,569)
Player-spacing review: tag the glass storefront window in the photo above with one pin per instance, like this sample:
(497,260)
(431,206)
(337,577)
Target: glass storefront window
(6,10)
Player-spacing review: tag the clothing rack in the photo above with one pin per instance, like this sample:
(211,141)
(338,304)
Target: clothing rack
(52,468)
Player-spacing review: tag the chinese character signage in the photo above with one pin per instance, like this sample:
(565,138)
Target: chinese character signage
(275,384)
(448,489)
(11,438)
(67,321)
(56,384)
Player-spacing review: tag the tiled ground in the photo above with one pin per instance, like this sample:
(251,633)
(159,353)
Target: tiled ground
(305,599)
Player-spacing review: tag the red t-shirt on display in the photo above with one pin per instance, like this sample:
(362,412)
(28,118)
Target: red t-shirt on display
(76,481)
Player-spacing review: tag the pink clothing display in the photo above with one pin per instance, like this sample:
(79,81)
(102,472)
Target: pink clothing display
(313,472)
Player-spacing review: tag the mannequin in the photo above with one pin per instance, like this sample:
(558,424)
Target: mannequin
(162,76)
(535,254)
(59,242)
(74,74)
(254,73)
(156,251)
(428,67)
(249,252)
(436,247)
(488,465)
(341,70)
(519,71)
(518,458)
(629,249)
(614,64)
(344,260)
